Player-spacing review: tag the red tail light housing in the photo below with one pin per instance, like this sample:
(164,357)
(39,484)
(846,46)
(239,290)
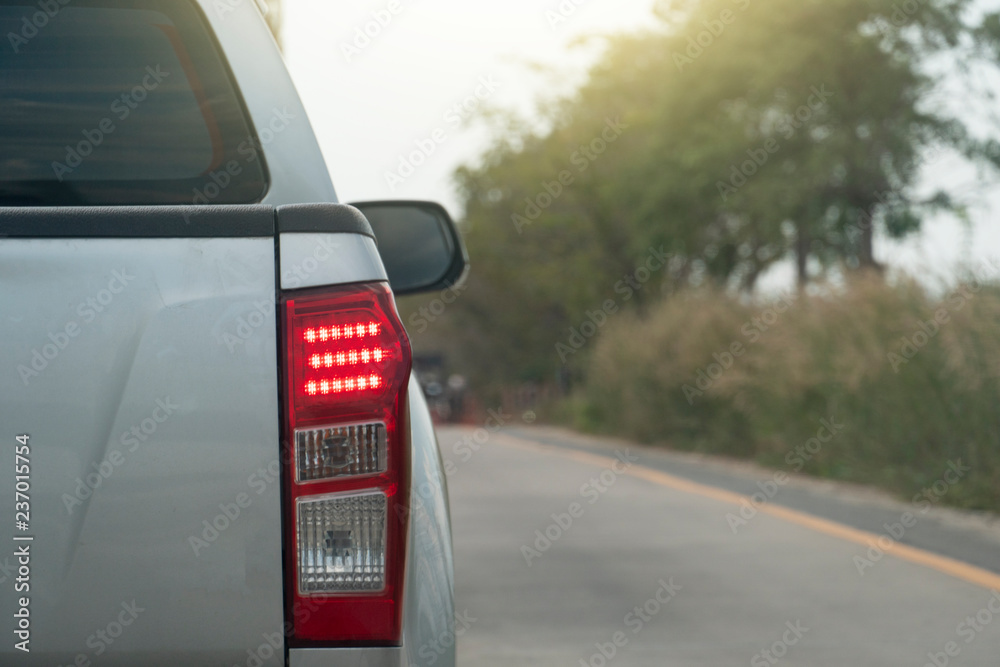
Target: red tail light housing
(346,367)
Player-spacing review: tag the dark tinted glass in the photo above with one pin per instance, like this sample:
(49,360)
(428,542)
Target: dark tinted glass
(125,102)
(417,242)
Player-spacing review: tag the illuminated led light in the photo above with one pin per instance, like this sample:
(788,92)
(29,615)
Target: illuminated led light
(338,385)
(353,357)
(328,333)
(320,352)
(364,380)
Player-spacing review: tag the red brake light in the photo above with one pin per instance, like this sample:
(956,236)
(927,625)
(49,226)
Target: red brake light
(347,364)
(344,354)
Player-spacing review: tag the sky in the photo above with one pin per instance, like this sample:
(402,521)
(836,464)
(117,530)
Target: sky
(387,84)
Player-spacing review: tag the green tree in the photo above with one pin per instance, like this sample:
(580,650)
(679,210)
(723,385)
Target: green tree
(751,131)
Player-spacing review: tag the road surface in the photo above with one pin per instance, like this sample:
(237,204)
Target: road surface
(576,551)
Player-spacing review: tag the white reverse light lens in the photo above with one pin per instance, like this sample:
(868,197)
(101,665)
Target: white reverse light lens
(341,451)
(341,543)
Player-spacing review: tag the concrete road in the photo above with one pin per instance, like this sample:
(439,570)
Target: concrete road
(576,551)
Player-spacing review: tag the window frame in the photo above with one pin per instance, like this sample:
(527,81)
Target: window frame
(162,192)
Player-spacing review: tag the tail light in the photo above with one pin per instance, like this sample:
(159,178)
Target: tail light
(346,367)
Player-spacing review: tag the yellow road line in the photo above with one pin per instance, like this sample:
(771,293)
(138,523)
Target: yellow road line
(950,566)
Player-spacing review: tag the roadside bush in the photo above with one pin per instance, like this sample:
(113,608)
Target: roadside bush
(914,380)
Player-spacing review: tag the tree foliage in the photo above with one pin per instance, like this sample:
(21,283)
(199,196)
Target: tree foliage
(749,132)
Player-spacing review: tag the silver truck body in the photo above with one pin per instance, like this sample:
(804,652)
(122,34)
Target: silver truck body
(146,372)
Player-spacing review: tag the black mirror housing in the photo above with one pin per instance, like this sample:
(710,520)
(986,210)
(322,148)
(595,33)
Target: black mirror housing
(419,243)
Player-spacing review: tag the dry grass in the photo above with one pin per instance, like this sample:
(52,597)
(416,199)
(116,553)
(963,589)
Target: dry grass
(905,416)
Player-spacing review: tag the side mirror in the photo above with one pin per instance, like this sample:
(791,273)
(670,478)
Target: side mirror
(419,244)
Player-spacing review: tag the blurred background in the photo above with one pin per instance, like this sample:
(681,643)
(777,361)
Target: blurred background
(695,223)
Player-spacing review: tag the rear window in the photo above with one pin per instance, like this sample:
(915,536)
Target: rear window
(119,102)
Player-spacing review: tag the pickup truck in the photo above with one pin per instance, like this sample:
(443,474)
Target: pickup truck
(214,453)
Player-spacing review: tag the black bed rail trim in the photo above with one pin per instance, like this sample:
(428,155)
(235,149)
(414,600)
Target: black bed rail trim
(323,219)
(237,221)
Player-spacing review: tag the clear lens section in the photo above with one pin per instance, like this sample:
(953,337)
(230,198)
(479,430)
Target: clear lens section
(340,451)
(341,543)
